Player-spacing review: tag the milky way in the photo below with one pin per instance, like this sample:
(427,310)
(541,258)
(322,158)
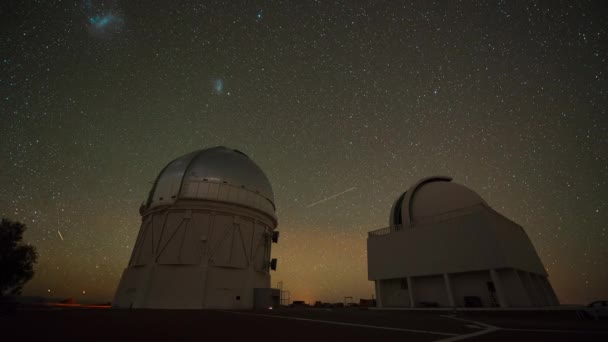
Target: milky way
(507,98)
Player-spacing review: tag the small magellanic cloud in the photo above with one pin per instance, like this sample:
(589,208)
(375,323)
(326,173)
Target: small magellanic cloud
(218,86)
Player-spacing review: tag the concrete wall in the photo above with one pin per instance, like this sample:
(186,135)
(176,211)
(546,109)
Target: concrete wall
(430,289)
(539,289)
(224,285)
(175,287)
(476,241)
(393,295)
(264,298)
(515,292)
(198,256)
(466,244)
(553,300)
(516,246)
(471,284)
(519,289)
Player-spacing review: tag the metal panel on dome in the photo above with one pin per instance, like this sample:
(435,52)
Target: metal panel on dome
(216,174)
(227,175)
(435,199)
(406,206)
(395,218)
(226,165)
(166,187)
(431,197)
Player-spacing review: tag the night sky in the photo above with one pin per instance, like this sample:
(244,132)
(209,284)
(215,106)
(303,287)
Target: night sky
(508,98)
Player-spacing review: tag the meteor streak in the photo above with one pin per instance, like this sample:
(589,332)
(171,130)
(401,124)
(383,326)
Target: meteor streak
(61,236)
(330,197)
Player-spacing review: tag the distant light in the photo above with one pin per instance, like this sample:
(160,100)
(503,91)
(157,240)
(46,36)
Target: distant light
(49,290)
(83,291)
(270,308)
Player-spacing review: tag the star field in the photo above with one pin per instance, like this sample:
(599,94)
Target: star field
(507,98)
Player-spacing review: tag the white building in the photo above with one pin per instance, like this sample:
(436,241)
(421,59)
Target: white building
(446,247)
(205,238)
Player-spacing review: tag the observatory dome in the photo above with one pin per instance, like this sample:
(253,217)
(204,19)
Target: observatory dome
(216,174)
(430,197)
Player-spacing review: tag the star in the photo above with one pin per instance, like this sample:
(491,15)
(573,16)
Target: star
(324,98)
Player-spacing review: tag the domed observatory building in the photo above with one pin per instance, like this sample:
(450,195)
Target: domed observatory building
(446,247)
(205,238)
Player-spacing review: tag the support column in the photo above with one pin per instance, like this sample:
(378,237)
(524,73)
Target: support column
(554,299)
(533,289)
(379,294)
(205,255)
(502,302)
(522,285)
(410,291)
(144,300)
(448,289)
(543,288)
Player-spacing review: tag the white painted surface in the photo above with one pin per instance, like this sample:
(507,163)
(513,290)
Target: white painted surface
(446,229)
(198,256)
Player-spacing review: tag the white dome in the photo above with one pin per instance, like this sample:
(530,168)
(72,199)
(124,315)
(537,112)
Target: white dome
(217,174)
(430,197)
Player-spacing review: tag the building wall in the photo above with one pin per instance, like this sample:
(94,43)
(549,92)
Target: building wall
(467,246)
(515,292)
(458,244)
(430,289)
(519,289)
(393,295)
(517,248)
(539,289)
(552,296)
(198,256)
(471,284)
(175,287)
(224,285)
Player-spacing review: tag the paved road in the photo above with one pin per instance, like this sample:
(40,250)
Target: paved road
(294,325)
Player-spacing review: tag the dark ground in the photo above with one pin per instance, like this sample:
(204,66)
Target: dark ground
(38,324)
